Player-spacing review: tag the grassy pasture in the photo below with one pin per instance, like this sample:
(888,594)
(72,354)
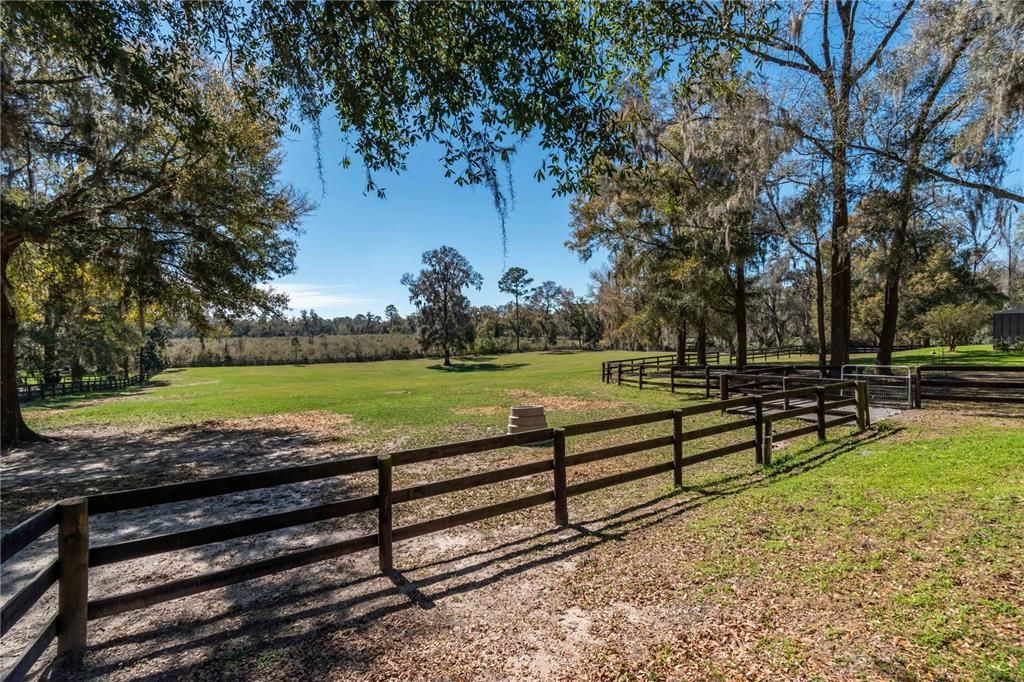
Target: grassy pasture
(419,396)
(413,396)
(894,554)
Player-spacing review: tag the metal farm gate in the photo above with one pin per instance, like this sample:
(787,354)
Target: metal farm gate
(887,384)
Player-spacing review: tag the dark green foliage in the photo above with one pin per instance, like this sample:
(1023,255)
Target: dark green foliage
(444,319)
(474,78)
(516,282)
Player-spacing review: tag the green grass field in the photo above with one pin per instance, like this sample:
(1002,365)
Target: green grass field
(397,395)
(893,554)
(400,394)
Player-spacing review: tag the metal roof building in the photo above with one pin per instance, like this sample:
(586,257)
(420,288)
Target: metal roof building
(1008,325)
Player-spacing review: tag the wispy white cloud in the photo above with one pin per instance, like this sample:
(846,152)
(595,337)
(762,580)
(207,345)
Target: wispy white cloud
(324,298)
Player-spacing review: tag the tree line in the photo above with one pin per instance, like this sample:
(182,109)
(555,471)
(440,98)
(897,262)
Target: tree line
(837,180)
(445,322)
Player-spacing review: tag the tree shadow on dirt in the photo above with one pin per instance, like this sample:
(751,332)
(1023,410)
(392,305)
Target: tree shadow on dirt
(297,619)
(45,472)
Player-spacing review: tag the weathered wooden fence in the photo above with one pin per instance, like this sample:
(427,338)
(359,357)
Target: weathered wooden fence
(75,556)
(30,392)
(675,377)
(612,370)
(969,383)
(963,383)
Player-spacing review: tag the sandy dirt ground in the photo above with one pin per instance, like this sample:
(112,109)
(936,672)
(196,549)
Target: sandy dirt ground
(510,598)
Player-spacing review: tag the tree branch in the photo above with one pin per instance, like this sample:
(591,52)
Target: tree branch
(884,42)
(994,190)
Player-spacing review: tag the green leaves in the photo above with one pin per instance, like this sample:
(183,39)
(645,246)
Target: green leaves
(475,78)
(444,319)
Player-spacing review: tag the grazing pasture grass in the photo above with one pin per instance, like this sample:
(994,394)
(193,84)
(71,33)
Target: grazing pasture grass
(963,355)
(893,554)
(935,355)
(916,536)
(420,395)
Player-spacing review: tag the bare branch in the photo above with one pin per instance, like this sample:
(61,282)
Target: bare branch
(884,42)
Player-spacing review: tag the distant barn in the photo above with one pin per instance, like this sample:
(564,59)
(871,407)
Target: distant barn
(1008,325)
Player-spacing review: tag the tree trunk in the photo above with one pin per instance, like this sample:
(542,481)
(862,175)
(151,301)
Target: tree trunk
(819,283)
(517,324)
(841,274)
(141,332)
(740,303)
(890,315)
(447,357)
(13,430)
(702,341)
(681,344)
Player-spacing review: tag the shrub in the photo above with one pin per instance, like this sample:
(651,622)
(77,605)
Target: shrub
(955,325)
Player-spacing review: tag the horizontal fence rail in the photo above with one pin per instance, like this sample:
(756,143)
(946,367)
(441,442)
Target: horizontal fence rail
(887,385)
(69,570)
(633,370)
(29,392)
(969,383)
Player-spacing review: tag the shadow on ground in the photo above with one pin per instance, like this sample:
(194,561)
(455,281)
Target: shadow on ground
(46,471)
(302,622)
(478,366)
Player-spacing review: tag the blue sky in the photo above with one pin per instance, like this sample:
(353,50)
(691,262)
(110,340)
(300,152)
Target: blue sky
(355,246)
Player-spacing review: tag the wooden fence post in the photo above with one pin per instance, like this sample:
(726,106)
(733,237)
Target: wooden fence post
(677,448)
(766,453)
(385,552)
(723,386)
(707,382)
(73,588)
(916,388)
(820,395)
(758,430)
(641,377)
(619,379)
(561,500)
(863,411)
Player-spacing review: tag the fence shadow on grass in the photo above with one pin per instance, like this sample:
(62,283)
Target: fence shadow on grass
(306,609)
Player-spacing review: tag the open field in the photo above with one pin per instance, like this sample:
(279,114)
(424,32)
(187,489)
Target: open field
(409,399)
(896,554)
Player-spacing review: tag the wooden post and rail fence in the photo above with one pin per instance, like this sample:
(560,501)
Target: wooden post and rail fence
(76,556)
(964,383)
(29,392)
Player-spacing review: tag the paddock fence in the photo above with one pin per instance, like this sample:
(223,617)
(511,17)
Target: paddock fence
(69,569)
(969,383)
(29,392)
(702,377)
(653,365)
(893,385)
